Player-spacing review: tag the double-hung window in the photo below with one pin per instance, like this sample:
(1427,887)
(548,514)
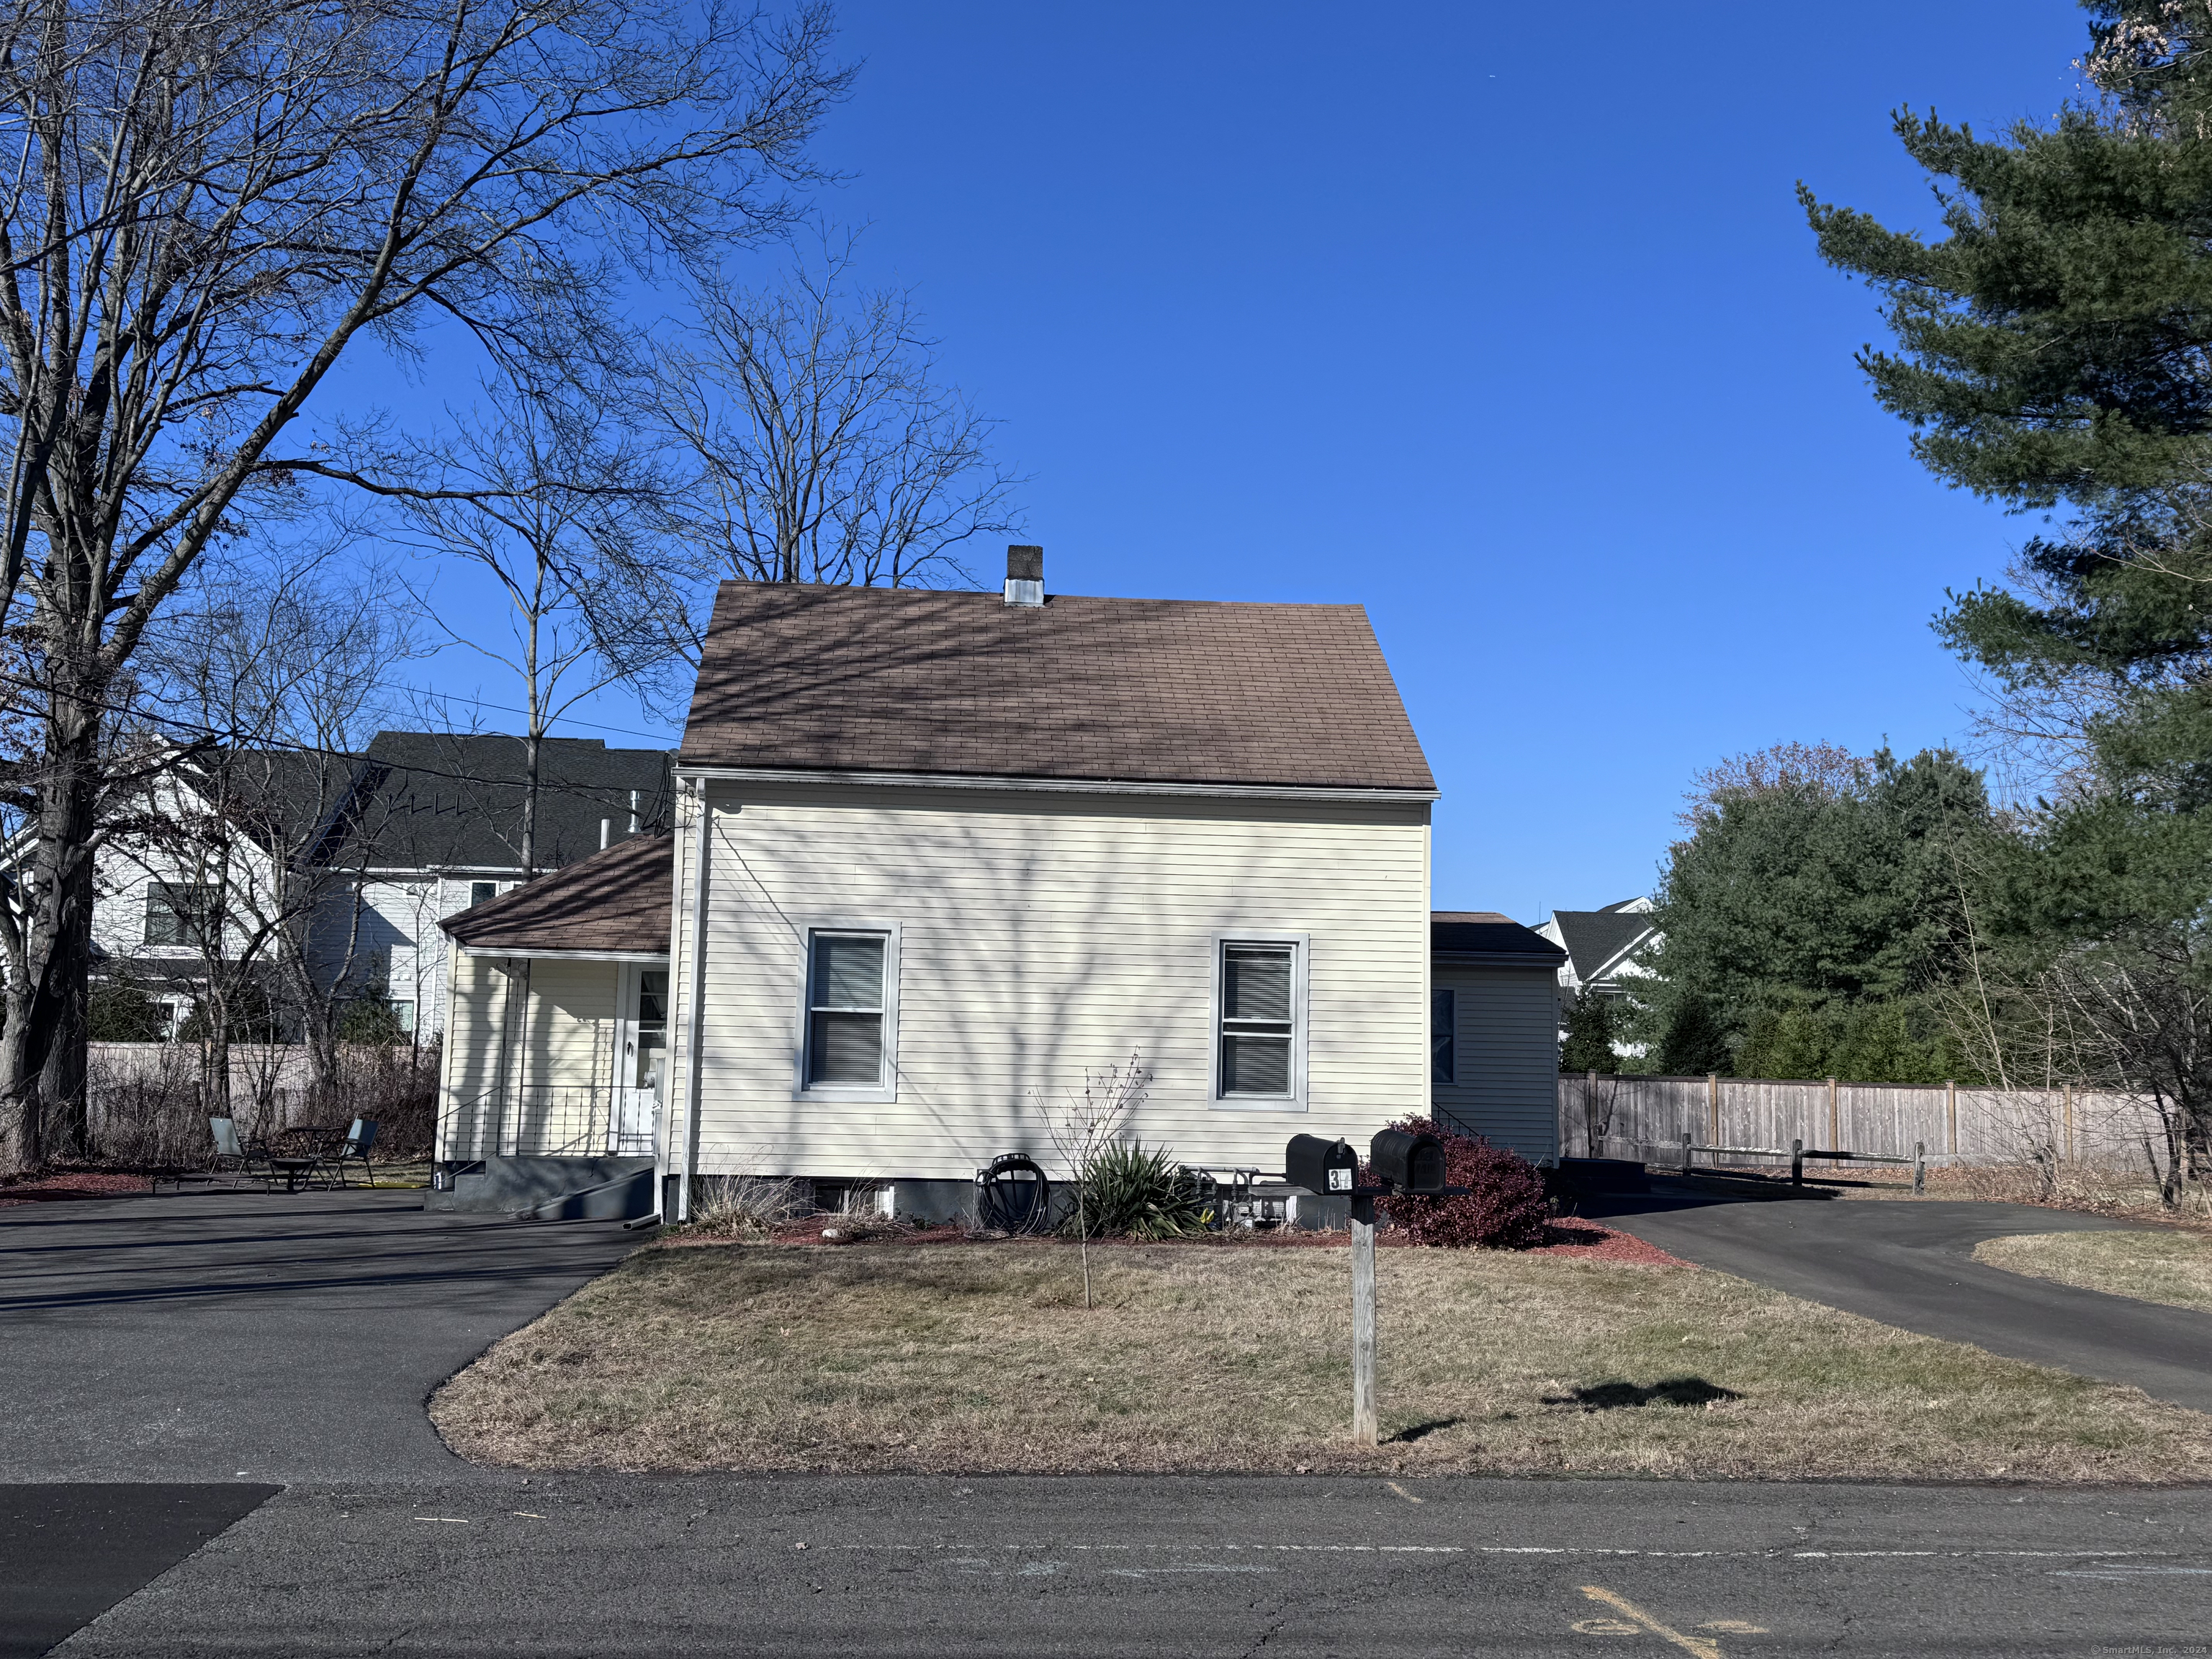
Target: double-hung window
(1443,1035)
(850,1013)
(1260,1036)
(181,913)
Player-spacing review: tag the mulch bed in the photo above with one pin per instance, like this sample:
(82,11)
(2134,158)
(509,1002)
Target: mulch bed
(1583,1240)
(1587,1241)
(46,1189)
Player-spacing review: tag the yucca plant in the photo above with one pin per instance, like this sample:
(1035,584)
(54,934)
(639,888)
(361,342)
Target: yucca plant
(1133,1191)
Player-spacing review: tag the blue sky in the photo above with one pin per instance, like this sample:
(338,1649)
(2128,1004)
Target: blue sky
(1510,329)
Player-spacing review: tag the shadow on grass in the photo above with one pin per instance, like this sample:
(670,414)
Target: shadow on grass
(1670,1391)
(1421,1430)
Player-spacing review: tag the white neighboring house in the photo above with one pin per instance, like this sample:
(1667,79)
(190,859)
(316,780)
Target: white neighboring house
(937,856)
(386,844)
(1607,952)
(434,825)
(199,881)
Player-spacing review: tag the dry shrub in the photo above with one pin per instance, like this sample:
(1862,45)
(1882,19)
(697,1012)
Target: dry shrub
(149,1104)
(2099,1189)
(396,1085)
(748,1206)
(148,1108)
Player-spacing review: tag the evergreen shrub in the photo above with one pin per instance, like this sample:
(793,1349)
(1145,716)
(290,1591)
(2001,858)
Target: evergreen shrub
(1133,1191)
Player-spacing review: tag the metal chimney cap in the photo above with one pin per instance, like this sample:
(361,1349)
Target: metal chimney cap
(1025,577)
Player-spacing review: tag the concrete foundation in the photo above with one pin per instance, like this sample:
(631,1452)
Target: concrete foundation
(932,1203)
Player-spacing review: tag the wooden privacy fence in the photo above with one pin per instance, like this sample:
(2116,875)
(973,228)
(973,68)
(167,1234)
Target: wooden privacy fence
(1623,1116)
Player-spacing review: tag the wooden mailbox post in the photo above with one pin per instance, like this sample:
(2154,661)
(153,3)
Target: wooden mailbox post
(1401,1162)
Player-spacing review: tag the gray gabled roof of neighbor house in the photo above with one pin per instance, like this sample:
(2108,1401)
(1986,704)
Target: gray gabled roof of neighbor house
(1177,691)
(611,903)
(427,800)
(1486,936)
(1597,941)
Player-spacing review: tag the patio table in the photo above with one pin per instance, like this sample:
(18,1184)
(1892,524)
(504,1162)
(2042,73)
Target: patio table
(296,1170)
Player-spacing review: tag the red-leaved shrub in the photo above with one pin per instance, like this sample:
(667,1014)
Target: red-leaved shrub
(1505,1210)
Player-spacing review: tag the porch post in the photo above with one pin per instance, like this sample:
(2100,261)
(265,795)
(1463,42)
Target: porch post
(696,943)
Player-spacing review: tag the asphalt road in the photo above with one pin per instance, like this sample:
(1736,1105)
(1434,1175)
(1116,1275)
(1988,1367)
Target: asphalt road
(918,1568)
(70,1551)
(1911,1264)
(253,1336)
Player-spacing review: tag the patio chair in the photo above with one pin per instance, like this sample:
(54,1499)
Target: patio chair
(355,1147)
(236,1156)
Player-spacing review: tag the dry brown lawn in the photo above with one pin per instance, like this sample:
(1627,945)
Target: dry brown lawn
(977,1358)
(2168,1266)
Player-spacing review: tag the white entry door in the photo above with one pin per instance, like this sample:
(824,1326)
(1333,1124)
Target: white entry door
(641,1064)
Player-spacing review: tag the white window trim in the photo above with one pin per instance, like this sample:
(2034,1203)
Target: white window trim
(1436,991)
(1301,957)
(885,1092)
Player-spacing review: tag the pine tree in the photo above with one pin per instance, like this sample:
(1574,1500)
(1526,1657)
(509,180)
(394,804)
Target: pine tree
(1694,1042)
(2051,352)
(1591,1032)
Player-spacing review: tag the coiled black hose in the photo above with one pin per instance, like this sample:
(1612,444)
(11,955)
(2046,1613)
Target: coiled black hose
(1012,1196)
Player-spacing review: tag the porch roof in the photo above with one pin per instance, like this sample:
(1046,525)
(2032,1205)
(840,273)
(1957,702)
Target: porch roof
(613,905)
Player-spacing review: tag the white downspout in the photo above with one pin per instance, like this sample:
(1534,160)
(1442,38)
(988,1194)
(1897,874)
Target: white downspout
(698,944)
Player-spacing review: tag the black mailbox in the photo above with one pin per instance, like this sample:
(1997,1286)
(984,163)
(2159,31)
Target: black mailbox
(1410,1162)
(1323,1166)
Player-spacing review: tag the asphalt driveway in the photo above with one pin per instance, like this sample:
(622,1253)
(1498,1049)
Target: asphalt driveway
(1911,1264)
(256,1336)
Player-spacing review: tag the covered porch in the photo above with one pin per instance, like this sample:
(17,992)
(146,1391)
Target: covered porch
(556,1020)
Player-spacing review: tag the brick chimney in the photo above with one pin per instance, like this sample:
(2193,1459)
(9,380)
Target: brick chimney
(1025,577)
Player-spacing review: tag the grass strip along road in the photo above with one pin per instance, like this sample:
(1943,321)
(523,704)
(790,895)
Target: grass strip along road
(2171,1268)
(982,1359)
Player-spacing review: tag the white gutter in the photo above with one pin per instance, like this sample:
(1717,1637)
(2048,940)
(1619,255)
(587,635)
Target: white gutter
(1050,786)
(650,957)
(698,947)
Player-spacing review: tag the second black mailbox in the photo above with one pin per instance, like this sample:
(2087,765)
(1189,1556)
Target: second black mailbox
(1410,1162)
(1320,1166)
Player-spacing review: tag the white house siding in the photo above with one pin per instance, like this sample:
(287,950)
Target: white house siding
(1506,1078)
(549,1026)
(478,995)
(398,930)
(125,870)
(1043,934)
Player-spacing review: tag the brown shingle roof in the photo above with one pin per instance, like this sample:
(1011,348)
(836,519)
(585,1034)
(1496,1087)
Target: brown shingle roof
(614,901)
(872,679)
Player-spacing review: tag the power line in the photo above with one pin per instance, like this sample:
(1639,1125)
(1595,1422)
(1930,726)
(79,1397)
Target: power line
(279,745)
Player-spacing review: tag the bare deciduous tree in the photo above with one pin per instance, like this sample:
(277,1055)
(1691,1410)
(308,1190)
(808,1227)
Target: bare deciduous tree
(824,447)
(206,209)
(552,501)
(1082,1123)
(287,669)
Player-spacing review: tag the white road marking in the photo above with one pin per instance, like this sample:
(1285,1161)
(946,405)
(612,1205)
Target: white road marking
(1565,1550)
